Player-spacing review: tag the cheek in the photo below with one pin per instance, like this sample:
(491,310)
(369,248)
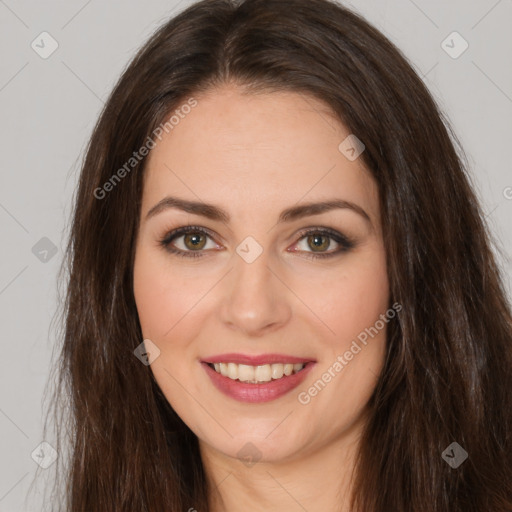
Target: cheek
(152,298)
(354,354)
(351,299)
(163,296)
(165,300)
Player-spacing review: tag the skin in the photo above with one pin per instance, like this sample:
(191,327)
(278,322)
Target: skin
(254,156)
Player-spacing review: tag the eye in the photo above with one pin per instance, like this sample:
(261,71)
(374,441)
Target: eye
(194,241)
(320,239)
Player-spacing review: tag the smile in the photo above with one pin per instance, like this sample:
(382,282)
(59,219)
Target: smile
(256,379)
(256,374)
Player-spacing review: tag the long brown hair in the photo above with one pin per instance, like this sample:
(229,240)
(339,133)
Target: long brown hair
(448,369)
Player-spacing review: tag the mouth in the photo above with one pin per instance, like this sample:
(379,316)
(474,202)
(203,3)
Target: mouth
(256,379)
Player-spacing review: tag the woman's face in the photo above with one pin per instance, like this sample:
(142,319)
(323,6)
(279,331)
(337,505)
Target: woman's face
(264,277)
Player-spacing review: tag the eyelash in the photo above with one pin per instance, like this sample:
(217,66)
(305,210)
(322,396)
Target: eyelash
(345,243)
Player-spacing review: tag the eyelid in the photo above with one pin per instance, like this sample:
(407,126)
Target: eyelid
(183,230)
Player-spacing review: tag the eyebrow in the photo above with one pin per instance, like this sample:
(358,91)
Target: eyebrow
(215,213)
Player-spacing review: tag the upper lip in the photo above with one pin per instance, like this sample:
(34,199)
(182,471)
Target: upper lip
(256,360)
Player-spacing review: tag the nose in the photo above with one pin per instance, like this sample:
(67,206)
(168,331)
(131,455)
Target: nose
(256,300)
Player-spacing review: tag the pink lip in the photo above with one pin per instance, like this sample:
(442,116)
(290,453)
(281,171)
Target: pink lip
(256,360)
(256,393)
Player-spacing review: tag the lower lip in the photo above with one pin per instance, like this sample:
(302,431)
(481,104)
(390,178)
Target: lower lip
(257,393)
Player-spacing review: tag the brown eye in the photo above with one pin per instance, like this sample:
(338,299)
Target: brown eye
(318,242)
(189,242)
(194,241)
(323,243)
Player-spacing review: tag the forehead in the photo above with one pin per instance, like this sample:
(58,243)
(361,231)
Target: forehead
(254,151)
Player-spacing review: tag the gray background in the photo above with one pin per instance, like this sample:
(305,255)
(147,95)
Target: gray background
(49,106)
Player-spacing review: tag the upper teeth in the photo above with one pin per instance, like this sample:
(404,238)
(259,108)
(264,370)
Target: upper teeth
(253,374)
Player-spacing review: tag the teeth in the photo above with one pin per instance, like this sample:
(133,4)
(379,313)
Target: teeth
(255,374)
(277,371)
(245,373)
(263,373)
(232,371)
